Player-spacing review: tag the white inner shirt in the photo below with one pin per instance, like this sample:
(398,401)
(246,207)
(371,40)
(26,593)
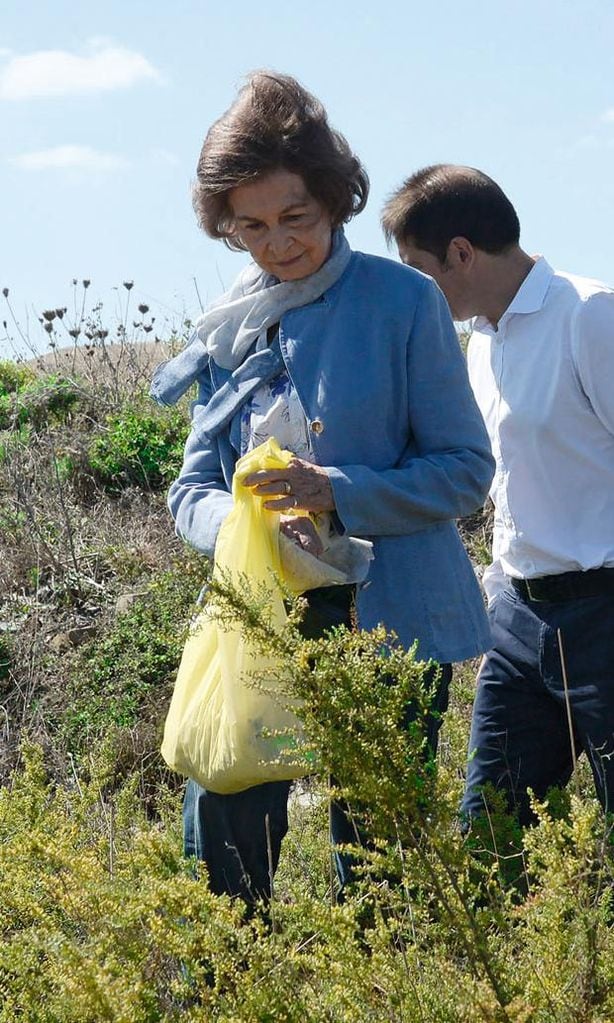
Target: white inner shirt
(544,381)
(274,410)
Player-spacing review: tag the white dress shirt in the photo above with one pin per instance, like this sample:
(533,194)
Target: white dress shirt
(544,381)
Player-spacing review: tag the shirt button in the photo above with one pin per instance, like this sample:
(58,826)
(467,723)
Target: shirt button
(316,426)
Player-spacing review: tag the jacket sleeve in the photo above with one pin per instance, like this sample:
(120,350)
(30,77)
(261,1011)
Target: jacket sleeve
(199,500)
(447,467)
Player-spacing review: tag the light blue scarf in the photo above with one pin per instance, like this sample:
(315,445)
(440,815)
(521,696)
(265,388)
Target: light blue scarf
(231,325)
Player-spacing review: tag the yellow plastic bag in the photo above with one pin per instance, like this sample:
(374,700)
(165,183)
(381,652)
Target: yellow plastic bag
(218,729)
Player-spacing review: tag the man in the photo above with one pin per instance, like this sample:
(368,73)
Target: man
(541,363)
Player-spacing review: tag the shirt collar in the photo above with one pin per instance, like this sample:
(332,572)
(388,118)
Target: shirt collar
(530,296)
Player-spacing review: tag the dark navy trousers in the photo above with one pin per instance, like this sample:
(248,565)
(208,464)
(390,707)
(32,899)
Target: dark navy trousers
(520,736)
(239,836)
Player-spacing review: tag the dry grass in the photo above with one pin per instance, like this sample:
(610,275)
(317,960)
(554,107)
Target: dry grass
(70,550)
(117,366)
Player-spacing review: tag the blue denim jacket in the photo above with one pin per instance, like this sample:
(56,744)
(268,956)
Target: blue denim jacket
(381,378)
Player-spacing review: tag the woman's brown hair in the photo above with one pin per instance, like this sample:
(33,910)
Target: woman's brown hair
(275,123)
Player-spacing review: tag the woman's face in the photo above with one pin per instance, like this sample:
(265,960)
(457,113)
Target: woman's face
(286,231)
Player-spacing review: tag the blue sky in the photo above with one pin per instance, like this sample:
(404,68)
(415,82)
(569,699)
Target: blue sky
(103,108)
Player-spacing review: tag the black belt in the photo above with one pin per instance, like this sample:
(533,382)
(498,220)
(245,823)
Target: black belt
(566,586)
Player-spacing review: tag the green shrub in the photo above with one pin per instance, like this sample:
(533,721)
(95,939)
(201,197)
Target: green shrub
(38,402)
(14,376)
(125,676)
(139,445)
(101,918)
(565,939)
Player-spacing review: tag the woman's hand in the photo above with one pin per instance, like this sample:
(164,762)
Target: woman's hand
(300,485)
(301,530)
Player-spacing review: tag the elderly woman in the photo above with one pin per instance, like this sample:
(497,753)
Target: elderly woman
(352,362)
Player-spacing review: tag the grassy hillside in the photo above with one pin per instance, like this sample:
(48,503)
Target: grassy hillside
(100,916)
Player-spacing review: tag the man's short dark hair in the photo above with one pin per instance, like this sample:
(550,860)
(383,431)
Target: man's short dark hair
(445,201)
(275,123)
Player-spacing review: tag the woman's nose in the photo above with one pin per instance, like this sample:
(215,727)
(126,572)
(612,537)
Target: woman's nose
(280,241)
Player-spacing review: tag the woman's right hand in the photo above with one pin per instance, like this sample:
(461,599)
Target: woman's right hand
(301,530)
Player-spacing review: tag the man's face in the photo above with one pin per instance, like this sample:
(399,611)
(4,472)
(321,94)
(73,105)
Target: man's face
(449,275)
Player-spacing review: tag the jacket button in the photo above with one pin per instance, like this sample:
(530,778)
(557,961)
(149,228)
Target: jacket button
(316,426)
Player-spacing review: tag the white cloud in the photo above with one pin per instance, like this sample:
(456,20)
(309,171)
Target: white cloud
(59,73)
(608,115)
(69,158)
(165,157)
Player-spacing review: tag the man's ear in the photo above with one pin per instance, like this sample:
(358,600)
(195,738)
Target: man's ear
(460,253)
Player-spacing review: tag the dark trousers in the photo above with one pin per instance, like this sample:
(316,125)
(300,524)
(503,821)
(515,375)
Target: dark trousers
(520,734)
(239,836)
